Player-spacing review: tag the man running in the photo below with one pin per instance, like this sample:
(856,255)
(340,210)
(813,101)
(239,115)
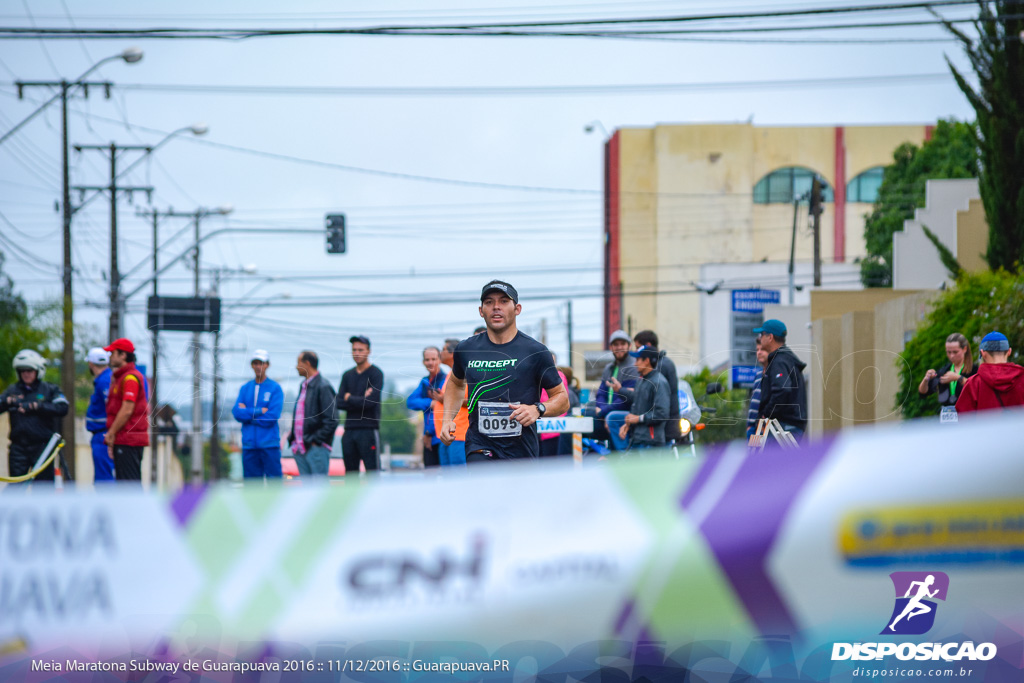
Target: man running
(915,607)
(505,371)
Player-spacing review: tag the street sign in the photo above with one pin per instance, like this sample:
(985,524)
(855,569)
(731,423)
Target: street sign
(744,375)
(746,315)
(183,314)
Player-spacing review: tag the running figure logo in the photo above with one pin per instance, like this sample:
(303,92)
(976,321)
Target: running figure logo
(914,612)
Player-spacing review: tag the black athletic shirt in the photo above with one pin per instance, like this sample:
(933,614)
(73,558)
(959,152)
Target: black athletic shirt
(501,374)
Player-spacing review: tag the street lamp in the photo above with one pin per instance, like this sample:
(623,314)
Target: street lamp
(130,55)
(196,129)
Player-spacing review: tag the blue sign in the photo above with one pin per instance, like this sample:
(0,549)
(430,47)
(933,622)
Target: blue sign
(753,300)
(744,375)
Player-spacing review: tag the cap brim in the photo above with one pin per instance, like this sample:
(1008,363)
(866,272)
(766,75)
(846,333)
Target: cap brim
(484,293)
(758,330)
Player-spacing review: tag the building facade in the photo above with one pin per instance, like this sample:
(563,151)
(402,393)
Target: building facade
(678,197)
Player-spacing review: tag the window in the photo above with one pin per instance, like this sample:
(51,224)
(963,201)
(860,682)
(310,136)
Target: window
(786,184)
(864,188)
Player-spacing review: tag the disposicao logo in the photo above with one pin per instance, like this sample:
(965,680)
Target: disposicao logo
(914,615)
(914,611)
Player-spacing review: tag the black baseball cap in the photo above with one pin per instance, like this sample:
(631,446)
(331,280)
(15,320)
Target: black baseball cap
(503,287)
(359,338)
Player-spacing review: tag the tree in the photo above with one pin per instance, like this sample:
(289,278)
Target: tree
(950,153)
(997,56)
(396,428)
(978,304)
(729,421)
(17,330)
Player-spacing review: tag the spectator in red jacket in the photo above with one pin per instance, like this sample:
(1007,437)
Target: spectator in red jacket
(127,412)
(998,384)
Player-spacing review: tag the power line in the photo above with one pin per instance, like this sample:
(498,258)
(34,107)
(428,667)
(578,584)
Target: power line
(475,29)
(549,90)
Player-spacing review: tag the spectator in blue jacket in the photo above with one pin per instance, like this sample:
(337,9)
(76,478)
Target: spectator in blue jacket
(615,393)
(96,415)
(428,391)
(258,408)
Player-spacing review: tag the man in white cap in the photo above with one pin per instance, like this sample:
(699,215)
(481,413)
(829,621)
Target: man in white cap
(96,415)
(258,408)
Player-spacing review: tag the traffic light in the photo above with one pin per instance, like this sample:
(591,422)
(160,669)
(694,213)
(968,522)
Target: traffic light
(335,233)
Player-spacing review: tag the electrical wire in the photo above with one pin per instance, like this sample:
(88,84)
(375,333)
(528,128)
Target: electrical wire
(550,90)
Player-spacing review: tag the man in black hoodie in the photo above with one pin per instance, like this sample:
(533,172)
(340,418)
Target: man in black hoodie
(359,396)
(783,391)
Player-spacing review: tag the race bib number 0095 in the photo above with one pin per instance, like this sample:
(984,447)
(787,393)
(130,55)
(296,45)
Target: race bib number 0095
(495,420)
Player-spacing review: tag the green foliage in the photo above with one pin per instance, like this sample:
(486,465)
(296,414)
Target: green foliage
(951,153)
(19,329)
(729,422)
(395,425)
(953,266)
(997,57)
(978,304)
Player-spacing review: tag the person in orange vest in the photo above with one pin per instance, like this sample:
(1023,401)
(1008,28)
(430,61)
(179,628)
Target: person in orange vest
(455,452)
(127,412)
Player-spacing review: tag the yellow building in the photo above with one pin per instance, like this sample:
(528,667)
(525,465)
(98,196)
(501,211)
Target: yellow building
(679,196)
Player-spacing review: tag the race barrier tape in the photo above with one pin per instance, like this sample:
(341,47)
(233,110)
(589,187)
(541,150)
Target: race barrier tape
(564,425)
(794,562)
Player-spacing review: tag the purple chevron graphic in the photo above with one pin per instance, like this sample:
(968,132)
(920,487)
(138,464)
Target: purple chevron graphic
(741,526)
(186,503)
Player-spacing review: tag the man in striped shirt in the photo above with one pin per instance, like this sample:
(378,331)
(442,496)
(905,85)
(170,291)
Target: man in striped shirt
(755,394)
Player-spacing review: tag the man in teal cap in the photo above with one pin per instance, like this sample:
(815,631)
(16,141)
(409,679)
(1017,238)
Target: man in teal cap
(783,390)
(998,382)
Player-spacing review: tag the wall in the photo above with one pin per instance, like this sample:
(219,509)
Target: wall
(916,261)
(895,322)
(828,304)
(824,385)
(686,199)
(857,338)
(972,237)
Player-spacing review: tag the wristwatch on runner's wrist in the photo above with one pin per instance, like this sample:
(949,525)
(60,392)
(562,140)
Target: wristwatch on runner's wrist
(541,408)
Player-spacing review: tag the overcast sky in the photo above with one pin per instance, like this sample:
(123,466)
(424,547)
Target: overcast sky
(544,240)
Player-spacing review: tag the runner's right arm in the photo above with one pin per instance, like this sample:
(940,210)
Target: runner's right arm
(454,393)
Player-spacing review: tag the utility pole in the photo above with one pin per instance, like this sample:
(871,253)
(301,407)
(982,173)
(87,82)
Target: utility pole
(568,330)
(816,211)
(792,251)
(544,331)
(154,404)
(197,403)
(67,363)
(115,326)
(215,412)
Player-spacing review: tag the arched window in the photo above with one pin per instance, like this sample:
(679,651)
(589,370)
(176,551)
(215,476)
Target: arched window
(864,188)
(786,184)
